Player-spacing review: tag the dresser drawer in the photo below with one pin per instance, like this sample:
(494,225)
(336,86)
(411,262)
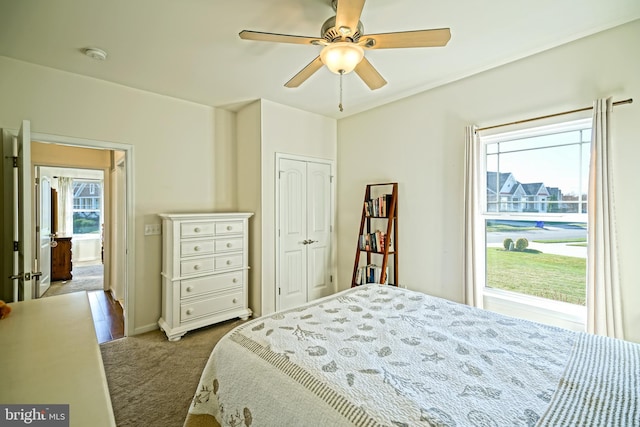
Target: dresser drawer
(202,285)
(197,229)
(197,247)
(195,266)
(227,245)
(229,227)
(209,306)
(226,262)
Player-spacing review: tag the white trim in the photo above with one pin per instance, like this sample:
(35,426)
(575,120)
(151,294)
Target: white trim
(129,287)
(531,132)
(555,313)
(516,304)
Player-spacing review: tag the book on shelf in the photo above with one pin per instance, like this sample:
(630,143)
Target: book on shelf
(374,242)
(378,207)
(370,274)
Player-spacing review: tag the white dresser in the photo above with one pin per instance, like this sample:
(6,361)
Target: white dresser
(204,270)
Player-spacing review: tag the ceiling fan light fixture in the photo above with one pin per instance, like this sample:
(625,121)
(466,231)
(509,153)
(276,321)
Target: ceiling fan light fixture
(341,57)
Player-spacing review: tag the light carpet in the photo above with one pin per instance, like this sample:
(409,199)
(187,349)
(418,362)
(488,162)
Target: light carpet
(152,380)
(86,278)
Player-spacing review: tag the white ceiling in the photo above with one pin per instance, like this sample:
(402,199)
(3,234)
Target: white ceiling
(190,49)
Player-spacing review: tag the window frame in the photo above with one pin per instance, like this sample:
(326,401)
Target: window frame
(92,183)
(548,311)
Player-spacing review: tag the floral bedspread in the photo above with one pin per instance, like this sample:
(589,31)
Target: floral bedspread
(378,355)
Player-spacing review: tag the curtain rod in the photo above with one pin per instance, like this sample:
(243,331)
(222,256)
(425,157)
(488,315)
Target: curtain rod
(626,101)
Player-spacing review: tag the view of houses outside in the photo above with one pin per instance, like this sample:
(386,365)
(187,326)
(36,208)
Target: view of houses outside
(87,205)
(506,194)
(535,213)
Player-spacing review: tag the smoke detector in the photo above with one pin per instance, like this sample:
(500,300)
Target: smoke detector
(95,53)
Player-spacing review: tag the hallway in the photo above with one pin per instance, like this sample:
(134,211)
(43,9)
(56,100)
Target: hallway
(107,313)
(108,318)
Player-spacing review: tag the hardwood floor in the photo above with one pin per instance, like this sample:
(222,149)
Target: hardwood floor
(107,314)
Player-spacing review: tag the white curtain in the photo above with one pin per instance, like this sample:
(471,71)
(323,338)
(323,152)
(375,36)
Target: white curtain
(473,264)
(65,206)
(604,308)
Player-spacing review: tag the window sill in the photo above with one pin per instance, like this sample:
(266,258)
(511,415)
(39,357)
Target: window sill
(88,236)
(554,313)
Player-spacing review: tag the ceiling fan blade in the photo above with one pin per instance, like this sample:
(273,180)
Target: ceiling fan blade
(418,38)
(305,73)
(369,75)
(278,38)
(348,14)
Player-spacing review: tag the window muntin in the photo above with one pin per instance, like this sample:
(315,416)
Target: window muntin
(87,206)
(536,188)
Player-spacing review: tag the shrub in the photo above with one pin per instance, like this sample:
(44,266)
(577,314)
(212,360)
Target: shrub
(521,244)
(507,243)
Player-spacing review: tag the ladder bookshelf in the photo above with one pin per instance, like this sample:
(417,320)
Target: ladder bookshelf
(380,214)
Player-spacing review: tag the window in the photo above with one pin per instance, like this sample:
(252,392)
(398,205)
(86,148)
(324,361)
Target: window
(535,211)
(87,206)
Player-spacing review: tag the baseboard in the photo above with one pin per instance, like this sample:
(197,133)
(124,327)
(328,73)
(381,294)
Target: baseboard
(145,328)
(113,296)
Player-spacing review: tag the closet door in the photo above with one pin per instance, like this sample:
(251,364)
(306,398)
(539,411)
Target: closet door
(304,228)
(318,230)
(292,264)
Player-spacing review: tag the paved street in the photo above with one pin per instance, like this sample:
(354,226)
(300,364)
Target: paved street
(560,232)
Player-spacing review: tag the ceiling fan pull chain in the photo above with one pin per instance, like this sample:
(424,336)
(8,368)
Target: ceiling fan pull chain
(340,104)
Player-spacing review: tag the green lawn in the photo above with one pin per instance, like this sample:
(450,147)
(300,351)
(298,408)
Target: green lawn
(555,277)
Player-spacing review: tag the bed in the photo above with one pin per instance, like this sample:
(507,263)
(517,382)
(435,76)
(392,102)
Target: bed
(378,355)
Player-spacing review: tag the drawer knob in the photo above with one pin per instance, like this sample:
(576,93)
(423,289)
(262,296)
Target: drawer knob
(190,311)
(235,280)
(196,230)
(189,289)
(228,262)
(229,228)
(196,248)
(229,245)
(196,267)
(235,300)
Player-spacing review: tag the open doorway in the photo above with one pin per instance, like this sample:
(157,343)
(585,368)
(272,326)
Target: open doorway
(76,242)
(21,272)
(87,230)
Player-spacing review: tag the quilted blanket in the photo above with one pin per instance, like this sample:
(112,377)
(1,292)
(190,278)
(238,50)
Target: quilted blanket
(383,356)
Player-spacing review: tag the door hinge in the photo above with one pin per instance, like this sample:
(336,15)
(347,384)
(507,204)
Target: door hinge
(278,291)
(37,181)
(330,178)
(15,161)
(331,278)
(15,246)
(280,174)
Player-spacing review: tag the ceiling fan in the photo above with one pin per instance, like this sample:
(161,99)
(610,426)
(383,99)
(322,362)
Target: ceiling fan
(344,43)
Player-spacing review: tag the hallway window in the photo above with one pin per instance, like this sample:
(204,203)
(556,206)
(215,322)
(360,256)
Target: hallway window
(87,206)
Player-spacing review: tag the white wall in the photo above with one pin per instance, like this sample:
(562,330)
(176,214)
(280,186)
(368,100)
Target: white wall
(292,131)
(174,143)
(419,142)
(249,180)
(264,129)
